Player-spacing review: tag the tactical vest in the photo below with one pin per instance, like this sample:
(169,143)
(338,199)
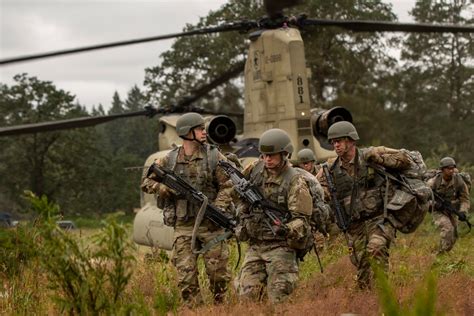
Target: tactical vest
(200,174)
(361,195)
(448,192)
(256,221)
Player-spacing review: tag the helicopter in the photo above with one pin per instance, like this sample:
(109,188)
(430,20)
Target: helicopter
(276,96)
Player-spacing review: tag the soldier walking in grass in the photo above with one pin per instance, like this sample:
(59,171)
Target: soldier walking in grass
(452,188)
(360,192)
(321,218)
(196,162)
(270,267)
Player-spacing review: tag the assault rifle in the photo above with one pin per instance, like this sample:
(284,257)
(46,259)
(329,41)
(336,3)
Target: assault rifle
(341,218)
(186,191)
(446,205)
(276,216)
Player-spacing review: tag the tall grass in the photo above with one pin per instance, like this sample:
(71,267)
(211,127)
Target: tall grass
(82,276)
(102,273)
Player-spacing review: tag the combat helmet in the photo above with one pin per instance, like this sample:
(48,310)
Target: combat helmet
(342,129)
(305,155)
(447,162)
(274,141)
(187,122)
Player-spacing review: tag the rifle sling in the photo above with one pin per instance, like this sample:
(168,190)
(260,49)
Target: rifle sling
(197,223)
(214,241)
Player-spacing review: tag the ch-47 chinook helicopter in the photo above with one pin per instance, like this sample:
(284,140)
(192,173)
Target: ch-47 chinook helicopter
(276,95)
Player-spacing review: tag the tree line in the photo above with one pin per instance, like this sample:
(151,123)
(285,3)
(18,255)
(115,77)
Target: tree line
(86,171)
(421,101)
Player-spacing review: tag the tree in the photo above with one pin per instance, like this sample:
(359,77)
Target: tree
(52,163)
(436,84)
(194,61)
(347,67)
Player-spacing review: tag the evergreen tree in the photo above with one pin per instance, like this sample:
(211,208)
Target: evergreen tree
(51,163)
(346,67)
(436,85)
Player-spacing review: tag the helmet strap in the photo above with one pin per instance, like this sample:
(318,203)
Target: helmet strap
(193,139)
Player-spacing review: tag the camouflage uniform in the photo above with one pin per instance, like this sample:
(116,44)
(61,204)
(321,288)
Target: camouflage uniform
(369,232)
(214,184)
(270,261)
(455,191)
(315,170)
(320,217)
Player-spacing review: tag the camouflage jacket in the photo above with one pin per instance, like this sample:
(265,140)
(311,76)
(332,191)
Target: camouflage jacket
(320,217)
(454,191)
(293,197)
(315,170)
(196,170)
(361,193)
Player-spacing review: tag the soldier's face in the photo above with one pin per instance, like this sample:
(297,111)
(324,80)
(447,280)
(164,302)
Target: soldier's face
(200,133)
(342,145)
(308,166)
(448,171)
(272,161)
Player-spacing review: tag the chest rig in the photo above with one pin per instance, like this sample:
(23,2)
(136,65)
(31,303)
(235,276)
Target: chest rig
(197,171)
(361,195)
(275,189)
(449,191)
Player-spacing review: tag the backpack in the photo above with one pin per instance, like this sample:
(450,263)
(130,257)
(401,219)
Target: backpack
(466,177)
(411,197)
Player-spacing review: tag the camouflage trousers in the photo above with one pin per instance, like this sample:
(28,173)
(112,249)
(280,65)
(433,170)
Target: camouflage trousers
(371,241)
(448,232)
(268,266)
(185,261)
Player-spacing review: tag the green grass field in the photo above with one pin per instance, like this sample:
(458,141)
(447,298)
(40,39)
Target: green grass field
(100,271)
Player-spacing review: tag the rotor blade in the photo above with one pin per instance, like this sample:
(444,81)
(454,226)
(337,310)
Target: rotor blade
(70,123)
(182,106)
(236,26)
(233,72)
(380,26)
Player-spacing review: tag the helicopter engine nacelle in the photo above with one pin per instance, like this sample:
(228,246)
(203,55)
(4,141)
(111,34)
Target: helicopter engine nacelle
(221,129)
(321,120)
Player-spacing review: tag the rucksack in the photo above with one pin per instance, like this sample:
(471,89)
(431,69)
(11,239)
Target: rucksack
(411,198)
(466,177)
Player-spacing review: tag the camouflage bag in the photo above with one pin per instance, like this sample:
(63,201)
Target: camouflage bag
(411,198)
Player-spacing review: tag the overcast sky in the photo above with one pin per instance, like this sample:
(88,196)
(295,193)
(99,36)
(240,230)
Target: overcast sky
(34,26)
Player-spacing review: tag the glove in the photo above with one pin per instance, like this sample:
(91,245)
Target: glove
(374,156)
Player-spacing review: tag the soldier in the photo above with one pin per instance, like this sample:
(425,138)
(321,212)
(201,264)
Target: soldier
(307,161)
(451,187)
(360,192)
(196,162)
(271,259)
